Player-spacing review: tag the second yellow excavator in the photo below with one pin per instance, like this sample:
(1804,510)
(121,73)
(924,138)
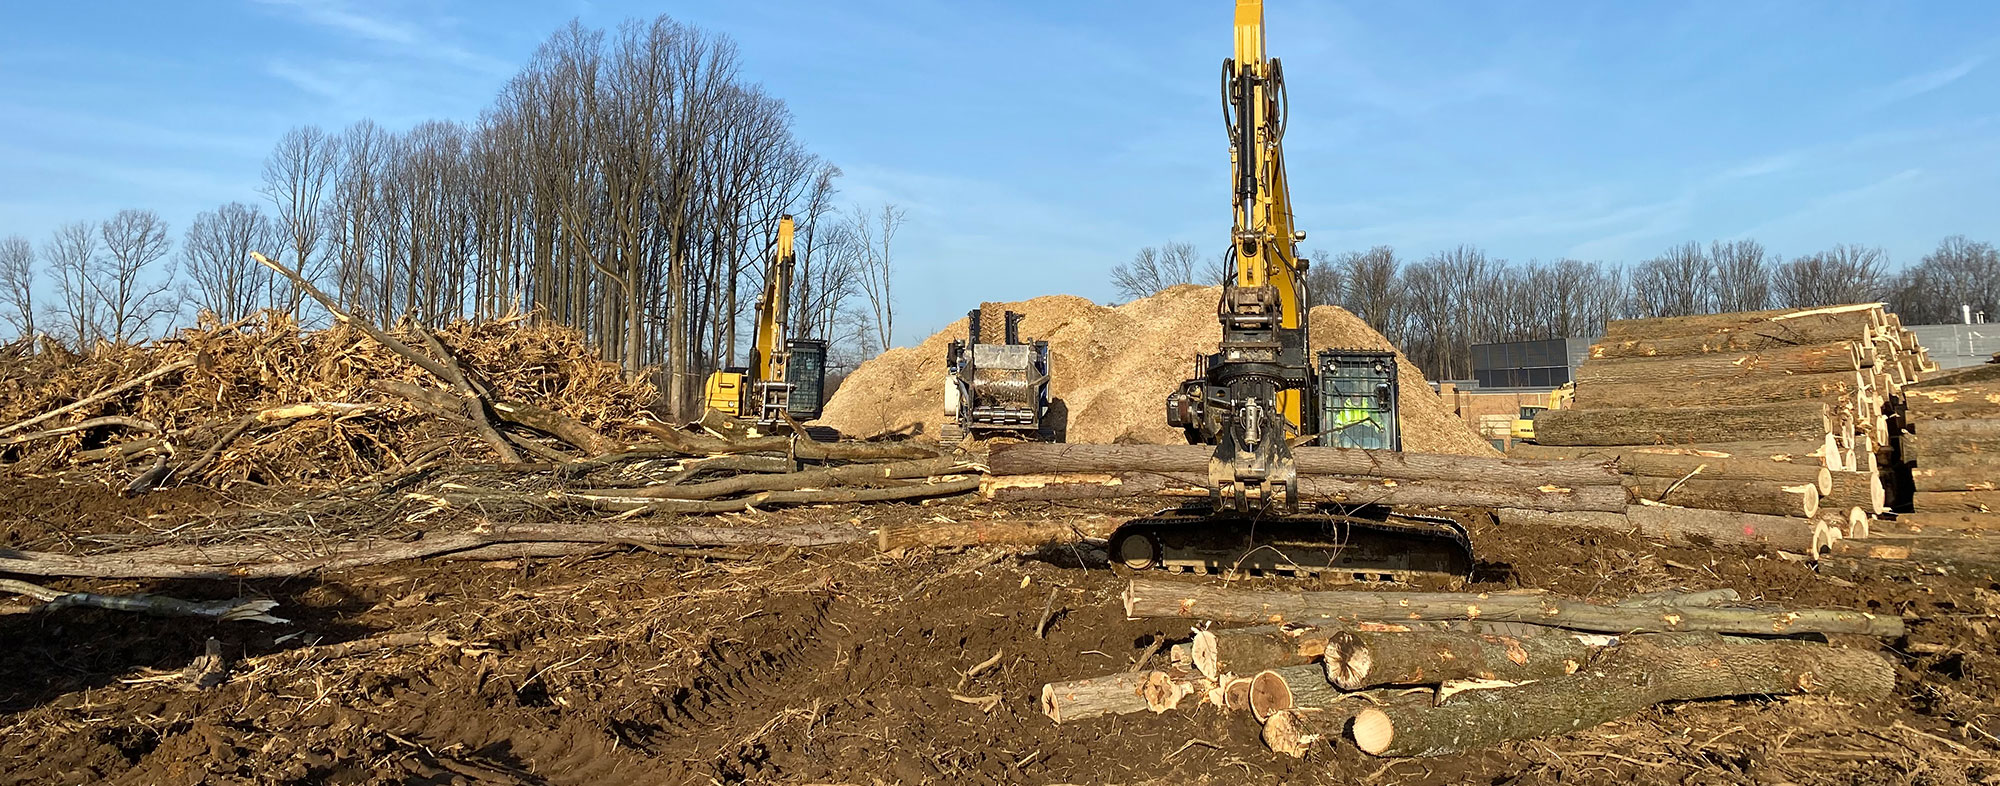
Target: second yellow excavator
(782,384)
(1263,390)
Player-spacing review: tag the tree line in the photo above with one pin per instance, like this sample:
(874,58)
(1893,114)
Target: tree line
(1437,307)
(625,182)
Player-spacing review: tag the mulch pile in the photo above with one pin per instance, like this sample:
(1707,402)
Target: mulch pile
(1113,368)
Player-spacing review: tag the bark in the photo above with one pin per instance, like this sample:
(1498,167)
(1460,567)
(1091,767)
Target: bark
(1295,732)
(934,487)
(1219,652)
(1743,496)
(1357,660)
(262,561)
(793,445)
(1957,502)
(1974,556)
(107,421)
(1980,374)
(805,479)
(1970,522)
(1798,451)
(1708,527)
(988,532)
(1039,458)
(1953,442)
(555,424)
(1717,392)
(1794,420)
(121,451)
(1857,490)
(1112,694)
(1816,359)
(1669,465)
(1285,687)
(1636,675)
(1315,488)
(1165,598)
(1847,320)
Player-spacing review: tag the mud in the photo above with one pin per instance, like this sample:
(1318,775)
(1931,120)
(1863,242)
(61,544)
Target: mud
(842,665)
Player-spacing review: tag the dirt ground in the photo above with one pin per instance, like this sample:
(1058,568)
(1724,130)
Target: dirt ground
(840,665)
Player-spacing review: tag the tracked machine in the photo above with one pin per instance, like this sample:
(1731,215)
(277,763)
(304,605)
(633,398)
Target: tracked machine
(1264,391)
(784,382)
(996,389)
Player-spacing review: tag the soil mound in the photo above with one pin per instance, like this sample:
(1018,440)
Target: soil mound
(1113,369)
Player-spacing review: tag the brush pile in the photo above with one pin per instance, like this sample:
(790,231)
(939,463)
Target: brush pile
(263,401)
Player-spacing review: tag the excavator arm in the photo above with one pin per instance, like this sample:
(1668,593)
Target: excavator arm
(1258,379)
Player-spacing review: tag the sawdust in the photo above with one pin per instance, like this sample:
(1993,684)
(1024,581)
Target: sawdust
(1113,369)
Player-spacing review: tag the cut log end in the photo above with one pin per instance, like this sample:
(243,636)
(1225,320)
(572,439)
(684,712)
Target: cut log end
(1282,734)
(1269,694)
(1347,661)
(1162,691)
(1236,694)
(1373,731)
(1050,706)
(1207,659)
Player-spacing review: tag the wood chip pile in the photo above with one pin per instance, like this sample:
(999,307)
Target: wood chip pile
(1785,413)
(1112,369)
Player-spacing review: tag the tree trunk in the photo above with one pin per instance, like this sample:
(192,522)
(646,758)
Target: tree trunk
(1953,403)
(1831,323)
(851,474)
(1799,451)
(1957,502)
(1794,420)
(1743,496)
(1165,598)
(1316,488)
(1285,687)
(1357,660)
(1636,675)
(1705,527)
(1953,443)
(1816,359)
(1668,465)
(1769,337)
(1857,490)
(1955,479)
(1718,392)
(1297,731)
(1958,522)
(1112,694)
(1038,458)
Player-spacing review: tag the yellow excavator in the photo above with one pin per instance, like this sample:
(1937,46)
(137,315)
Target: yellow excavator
(782,384)
(1260,393)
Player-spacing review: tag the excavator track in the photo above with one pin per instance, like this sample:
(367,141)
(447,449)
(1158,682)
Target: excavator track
(1321,545)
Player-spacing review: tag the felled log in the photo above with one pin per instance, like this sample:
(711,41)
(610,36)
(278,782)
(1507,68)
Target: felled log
(1974,555)
(1297,731)
(1799,451)
(851,474)
(1669,465)
(122,450)
(554,424)
(1953,442)
(1857,490)
(1218,652)
(1357,659)
(1679,425)
(1285,687)
(1744,496)
(1693,526)
(988,532)
(1042,458)
(942,486)
(1317,488)
(1719,392)
(230,610)
(1829,323)
(1957,502)
(1954,402)
(1963,521)
(1112,694)
(797,446)
(262,561)
(1164,598)
(1778,336)
(1839,357)
(1636,675)
(1973,478)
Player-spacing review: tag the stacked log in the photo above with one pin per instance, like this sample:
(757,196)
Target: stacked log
(1790,412)
(1951,446)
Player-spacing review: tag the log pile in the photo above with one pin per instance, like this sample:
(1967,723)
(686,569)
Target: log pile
(1951,447)
(1428,674)
(1790,413)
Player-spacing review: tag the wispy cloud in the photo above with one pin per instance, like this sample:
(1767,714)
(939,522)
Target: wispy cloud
(404,36)
(1919,84)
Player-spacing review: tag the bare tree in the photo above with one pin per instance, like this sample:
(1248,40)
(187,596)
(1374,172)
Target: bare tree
(1843,274)
(216,263)
(1369,289)
(17,284)
(295,180)
(130,296)
(70,256)
(1154,269)
(874,231)
(1742,275)
(1678,283)
(1959,274)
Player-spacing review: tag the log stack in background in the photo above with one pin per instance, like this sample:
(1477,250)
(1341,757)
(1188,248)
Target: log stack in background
(1951,447)
(1791,412)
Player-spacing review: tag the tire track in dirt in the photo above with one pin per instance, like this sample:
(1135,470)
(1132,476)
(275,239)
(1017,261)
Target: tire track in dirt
(724,714)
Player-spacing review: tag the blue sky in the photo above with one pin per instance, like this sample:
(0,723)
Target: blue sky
(1036,144)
